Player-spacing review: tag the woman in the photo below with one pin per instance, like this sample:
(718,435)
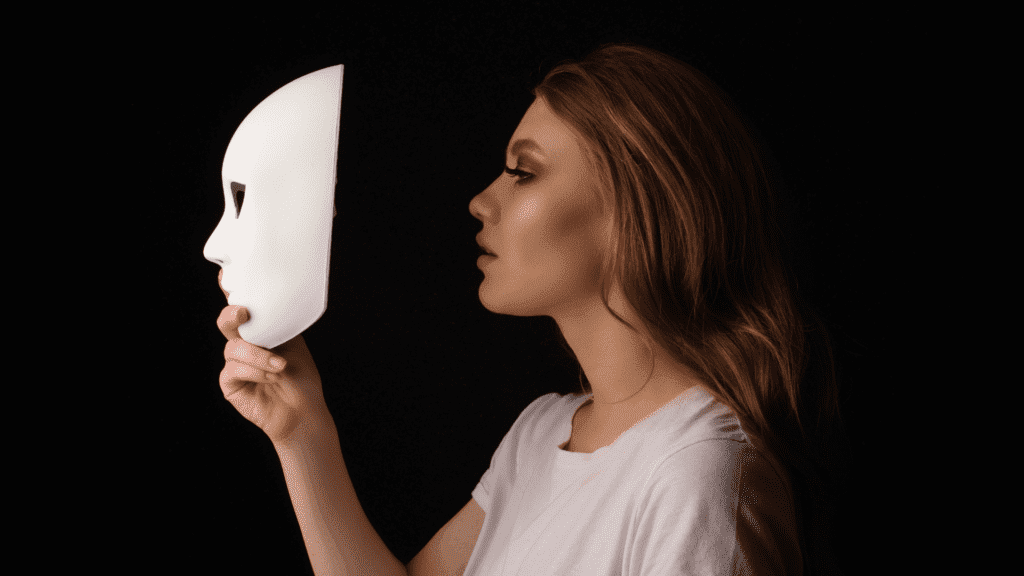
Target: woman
(635,211)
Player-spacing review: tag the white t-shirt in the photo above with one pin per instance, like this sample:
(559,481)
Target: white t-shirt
(680,493)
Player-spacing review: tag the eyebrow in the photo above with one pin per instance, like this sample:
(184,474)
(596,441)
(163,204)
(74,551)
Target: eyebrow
(526,143)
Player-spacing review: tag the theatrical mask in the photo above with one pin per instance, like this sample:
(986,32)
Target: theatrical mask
(279,176)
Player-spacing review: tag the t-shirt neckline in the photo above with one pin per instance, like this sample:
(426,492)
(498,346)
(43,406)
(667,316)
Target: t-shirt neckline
(574,405)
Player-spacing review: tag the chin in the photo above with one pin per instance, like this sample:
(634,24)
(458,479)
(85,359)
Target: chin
(501,303)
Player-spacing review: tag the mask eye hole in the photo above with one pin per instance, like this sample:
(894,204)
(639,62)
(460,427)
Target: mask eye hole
(238,193)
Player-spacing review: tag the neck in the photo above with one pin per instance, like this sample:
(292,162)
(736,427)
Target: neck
(617,363)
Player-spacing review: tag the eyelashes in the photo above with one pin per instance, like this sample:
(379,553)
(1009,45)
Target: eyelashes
(521,176)
(517,173)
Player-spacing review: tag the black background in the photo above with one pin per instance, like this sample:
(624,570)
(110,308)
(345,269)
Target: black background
(423,382)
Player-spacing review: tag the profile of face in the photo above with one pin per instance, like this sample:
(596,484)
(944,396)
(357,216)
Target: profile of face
(278,177)
(543,222)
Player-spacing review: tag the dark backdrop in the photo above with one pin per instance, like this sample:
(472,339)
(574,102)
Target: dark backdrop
(423,382)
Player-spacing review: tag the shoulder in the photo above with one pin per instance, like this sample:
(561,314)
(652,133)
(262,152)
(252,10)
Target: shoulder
(540,409)
(700,457)
(547,407)
(537,423)
(701,469)
(724,465)
(728,487)
(546,403)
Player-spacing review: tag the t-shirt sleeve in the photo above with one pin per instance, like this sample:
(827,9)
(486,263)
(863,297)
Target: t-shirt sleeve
(504,461)
(485,488)
(715,508)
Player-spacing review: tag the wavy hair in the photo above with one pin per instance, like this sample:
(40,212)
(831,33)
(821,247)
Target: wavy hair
(699,254)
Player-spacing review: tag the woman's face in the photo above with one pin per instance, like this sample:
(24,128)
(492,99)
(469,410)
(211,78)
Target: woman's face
(543,221)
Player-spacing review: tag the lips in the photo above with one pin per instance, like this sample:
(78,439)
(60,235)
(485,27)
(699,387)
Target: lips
(484,248)
(220,278)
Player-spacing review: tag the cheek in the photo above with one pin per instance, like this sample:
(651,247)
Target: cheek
(559,234)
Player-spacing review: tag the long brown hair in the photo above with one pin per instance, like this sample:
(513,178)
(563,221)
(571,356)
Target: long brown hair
(698,254)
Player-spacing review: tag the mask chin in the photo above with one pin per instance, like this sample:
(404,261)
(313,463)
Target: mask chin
(278,177)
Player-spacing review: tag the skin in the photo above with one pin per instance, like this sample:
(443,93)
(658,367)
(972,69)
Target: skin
(547,228)
(280,391)
(549,232)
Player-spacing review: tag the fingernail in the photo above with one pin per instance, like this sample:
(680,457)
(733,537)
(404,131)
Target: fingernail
(242,316)
(277,362)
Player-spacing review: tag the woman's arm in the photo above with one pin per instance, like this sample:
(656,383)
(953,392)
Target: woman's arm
(286,401)
(339,537)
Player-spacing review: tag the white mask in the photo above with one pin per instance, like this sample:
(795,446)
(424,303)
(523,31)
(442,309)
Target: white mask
(280,169)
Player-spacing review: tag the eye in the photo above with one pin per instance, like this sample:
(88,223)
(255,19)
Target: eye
(238,193)
(517,173)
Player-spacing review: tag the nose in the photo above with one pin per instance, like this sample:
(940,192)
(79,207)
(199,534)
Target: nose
(214,250)
(481,206)
(474,207)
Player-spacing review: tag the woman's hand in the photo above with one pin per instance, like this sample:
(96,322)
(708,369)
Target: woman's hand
(286,402)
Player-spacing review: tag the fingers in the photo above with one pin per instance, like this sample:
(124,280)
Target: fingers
(231,317)
(236,375)
(251,354)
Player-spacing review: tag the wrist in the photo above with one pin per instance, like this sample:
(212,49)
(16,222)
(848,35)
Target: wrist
(313,429)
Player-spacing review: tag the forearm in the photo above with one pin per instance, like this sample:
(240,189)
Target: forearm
(339,537)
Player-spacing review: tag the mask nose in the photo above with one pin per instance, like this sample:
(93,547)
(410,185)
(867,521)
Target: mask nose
(215,249)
